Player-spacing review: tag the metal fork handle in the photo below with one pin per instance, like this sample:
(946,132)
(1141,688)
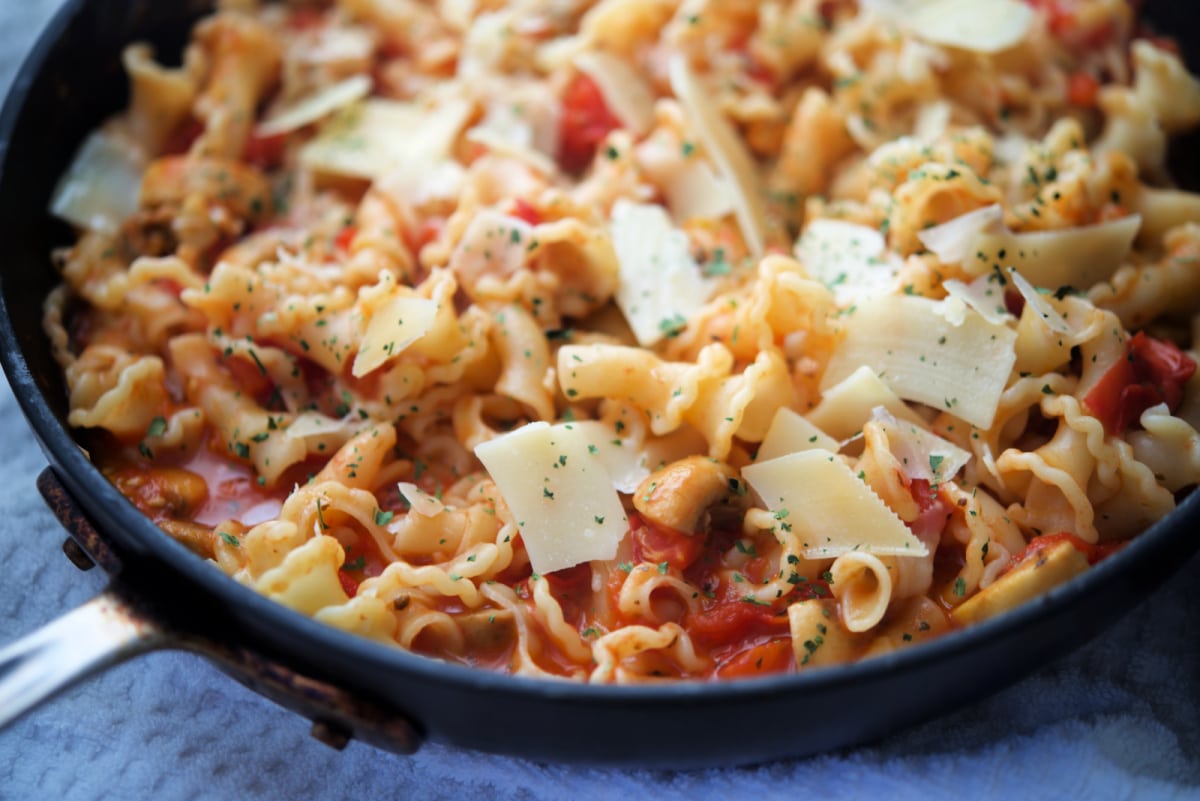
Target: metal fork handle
(104,631)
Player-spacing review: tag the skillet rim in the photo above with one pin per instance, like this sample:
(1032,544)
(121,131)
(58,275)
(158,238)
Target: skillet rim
(265,625)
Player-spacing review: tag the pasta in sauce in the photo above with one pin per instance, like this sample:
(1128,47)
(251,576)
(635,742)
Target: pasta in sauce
(624,341)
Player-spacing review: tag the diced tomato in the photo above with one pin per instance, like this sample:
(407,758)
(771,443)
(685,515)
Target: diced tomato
(772,656)
(265,152)
(524,210)
(345,237)
(429,229)
(1152,372)
(935,511)
(1082,89)
(305,19)
(182,137)
(349,585)
(1014,303)
(658,544)
(1064,24)
(586,120)
(734,621)
(252,379)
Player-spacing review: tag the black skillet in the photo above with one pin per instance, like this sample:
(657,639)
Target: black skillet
(162,596)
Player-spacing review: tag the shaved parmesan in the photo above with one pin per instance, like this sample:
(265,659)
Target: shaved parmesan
(723,146)
(421,501)
(393,327)
(661,284)
(374,137)
(835,511)
(316,106)
(792,433)
(922,453)
(558,492)
(985,295)
(952,240)
(982,26)
(1038,303)
(1077,257)
(692,188)
(624,461)
(101,187)
(845,406)
(850,259)
(623,90)
(924,357)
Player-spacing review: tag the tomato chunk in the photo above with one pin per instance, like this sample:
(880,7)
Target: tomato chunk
(1082,89)
(658,544)
(734,621)
(1152,372)
(586,120)
(772,656)
(265,151)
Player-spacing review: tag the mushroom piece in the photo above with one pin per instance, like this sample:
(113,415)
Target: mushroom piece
(678,495)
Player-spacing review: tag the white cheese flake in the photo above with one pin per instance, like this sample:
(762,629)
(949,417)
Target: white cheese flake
(725,148)
(559,494)
(982,26)
(315,107)
(851,259)
(1078,257)
(661,284)
(958,368)
(100,188)
(394,326)
(791,433)
(833,510)
(420,501)
(372,138)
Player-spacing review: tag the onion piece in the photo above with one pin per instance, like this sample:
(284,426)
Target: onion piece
(316,106)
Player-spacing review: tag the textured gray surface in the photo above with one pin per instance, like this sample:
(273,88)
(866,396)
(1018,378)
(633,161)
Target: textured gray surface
(1118,719)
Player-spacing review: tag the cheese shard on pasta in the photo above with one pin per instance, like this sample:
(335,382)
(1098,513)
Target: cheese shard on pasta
(370,139)
(922,453)
(958,367)
(951,241)
(661,284)
(558,492)
(845,406)
(1077,257)
(100,189)
(850,259)
(982,26)
(725,148)
(832,509)
(790,433)
(419,500)
(315,107)
(621,456)
(397,324)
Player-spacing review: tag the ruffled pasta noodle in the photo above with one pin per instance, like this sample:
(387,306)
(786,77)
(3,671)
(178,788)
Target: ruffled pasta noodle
(553,338)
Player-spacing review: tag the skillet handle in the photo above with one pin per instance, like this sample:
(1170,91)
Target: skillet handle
(104,631)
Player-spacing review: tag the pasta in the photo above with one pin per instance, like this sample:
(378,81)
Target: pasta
(631,341)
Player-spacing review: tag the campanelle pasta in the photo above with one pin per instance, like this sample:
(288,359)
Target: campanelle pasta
(623,341)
